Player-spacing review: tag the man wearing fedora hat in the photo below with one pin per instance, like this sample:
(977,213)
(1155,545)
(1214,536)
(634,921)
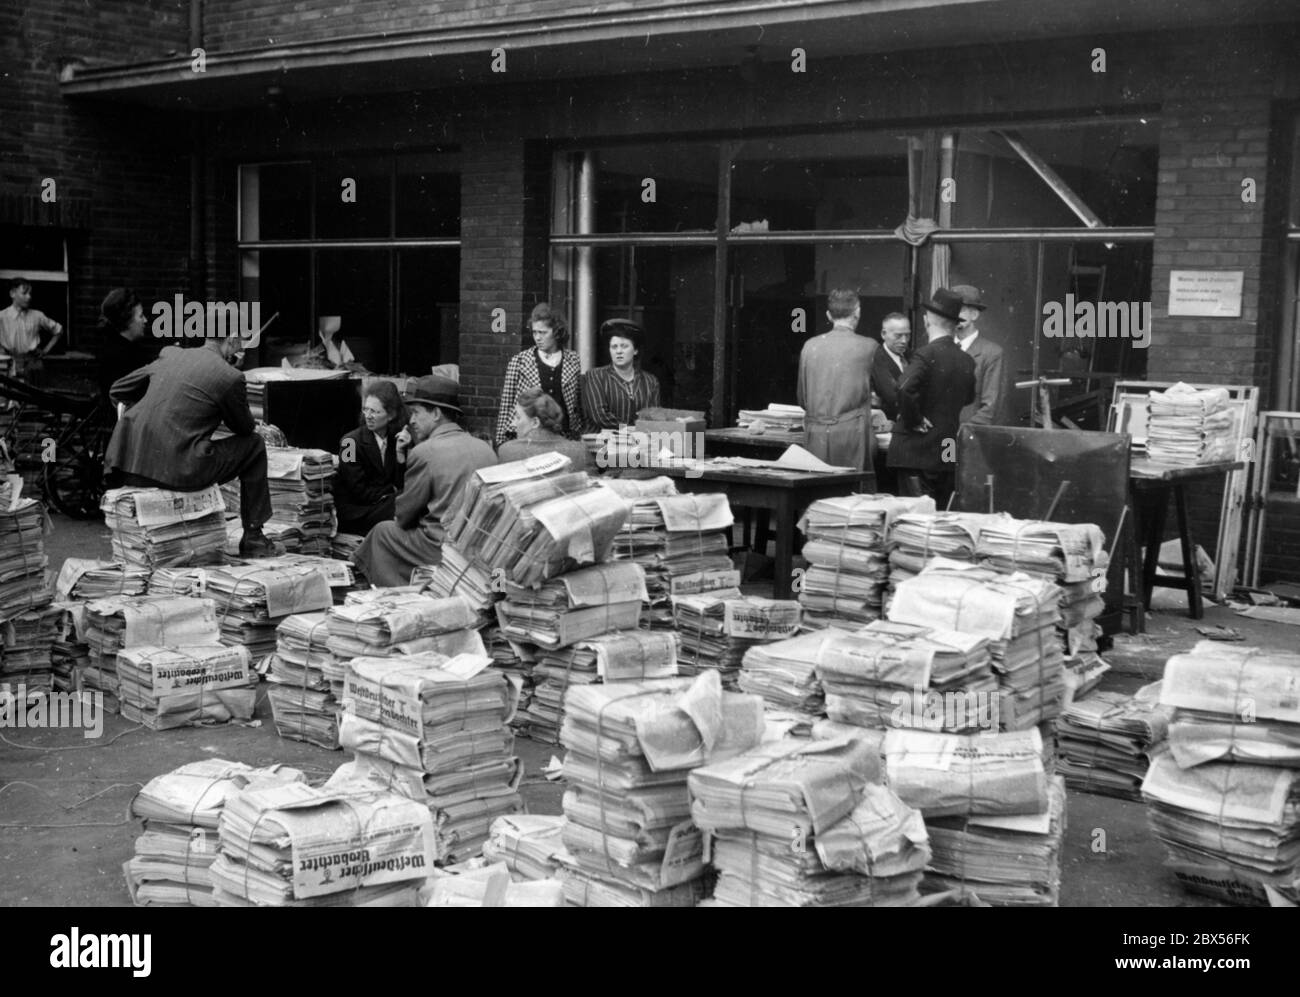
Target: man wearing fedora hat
(436,468)
(990,388)
(938,381)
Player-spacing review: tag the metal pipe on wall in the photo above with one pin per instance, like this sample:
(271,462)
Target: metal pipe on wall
(584,282)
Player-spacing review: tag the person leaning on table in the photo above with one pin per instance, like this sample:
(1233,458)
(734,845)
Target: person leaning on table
(372,461)
(612,395)
(548,367)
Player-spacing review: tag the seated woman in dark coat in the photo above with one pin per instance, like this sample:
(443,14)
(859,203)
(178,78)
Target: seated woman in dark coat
(538,426)
(372,461)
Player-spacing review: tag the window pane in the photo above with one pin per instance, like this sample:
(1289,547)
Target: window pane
(428,315)
(357,210)
(25,248)
(854,180)
(280,279)
(428,195)
(353,284)
(682,198)
(276,201)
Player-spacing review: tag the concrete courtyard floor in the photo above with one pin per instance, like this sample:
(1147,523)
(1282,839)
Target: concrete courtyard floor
(65,829)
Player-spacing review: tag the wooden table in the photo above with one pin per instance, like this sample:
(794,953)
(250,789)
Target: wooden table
(1150,487)
(737,442)
(785,493)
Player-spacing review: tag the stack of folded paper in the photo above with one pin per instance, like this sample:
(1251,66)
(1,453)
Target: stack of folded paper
(69,653)
(630,746)
(83,579)
(1017,612)
(178,581)
(24,565)
(253,598)
(917,538)
(402,623)
(533,521)
(848,556)
(343,546)
(680,541)
(799,823)
(138,621)
(784,673)
(28,641)
(341,845)
(186,685)
(516,661)
(302,500)
(458,576)
(305,681)
(619,656)
(574,606)
(155,528)
(434,729)
(717,628)
(530,845)
(475,884)
(180,810)
(783,418)
(995,817)
(902,675)
(1106,740)
(1190,426)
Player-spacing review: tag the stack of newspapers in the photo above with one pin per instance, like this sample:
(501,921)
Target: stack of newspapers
(434,729)
(630,747)
(305,681)
(372,624)
(1106,740)
(996,819)
(180,810)
(531,845)
(848,556)
(534,519)
(1073,555)
(619,656)
(784,673)
(680,541)
(458,576)
(139,621)
(342,845)
(917,538)
(343,546)
(1186,425)
(516,661)
(717,628)
(1018,613)
(782,418)
(797,823)
(69,653)
(186,685)
(574,606)
(302,500)
(24,565)
(178,581)
(29,640)
(903,675)
(253,598)
(155,528)
(82,579)
(1225,798)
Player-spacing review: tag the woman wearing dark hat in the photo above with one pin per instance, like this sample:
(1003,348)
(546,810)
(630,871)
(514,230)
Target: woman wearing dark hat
(550,368)
(123,346)
(612,396)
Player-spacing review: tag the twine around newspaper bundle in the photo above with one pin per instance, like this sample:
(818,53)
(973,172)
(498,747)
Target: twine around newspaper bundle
(1232,741)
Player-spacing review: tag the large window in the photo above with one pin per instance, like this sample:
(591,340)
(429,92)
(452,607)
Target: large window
(41,255)
(374,240)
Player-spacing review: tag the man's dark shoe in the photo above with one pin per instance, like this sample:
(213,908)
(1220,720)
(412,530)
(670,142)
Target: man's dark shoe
(254,543)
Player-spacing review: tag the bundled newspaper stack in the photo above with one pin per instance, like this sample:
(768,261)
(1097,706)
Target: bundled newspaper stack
(1018,613)
(140,621)
(1075,558)
(784,673)
(344,545)
(680,541)
(180,810)
(1190,426)
(619,656)
(82,579)
(516,661)
(531,845)
(476,884)
(902,675)
(1225,797)
(848,556)
(797,823)
(574,606)
(783,418)
(302,499)
(1107,739)
(178,581)
(917,538)
(69,653)
(373,624)
(534,519)
(458,576)
(717,628)
(29,640)
(630,746)
(186,685)
(996,819)
(344,844)
(155,528)
(253,598)
(24,565)
(305,681)
(434,729)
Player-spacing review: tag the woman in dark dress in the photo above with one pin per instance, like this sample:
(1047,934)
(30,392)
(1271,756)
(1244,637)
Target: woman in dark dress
(122,346)
(549,367)
(372,461)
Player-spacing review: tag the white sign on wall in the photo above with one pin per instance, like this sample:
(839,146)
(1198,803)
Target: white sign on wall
(1207,293)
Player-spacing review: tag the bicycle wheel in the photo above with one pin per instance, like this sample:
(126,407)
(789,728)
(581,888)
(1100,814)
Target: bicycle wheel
(73,477)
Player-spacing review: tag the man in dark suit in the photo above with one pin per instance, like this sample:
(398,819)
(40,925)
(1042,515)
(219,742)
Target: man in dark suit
(164,439)
(990,378)
(939,380)
(888,364)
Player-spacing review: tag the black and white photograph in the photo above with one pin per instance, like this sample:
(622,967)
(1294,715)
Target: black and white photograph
(655,453)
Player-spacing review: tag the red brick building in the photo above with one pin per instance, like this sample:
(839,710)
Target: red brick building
(429,171)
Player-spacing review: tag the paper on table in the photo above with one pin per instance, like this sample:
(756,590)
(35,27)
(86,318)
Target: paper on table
(796,458)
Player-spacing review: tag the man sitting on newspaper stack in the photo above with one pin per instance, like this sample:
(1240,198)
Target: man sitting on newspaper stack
(164,439)
(435,471)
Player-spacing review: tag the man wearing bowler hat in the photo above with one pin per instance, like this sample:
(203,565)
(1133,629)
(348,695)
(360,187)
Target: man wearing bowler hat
(938,381)
(436,468)
(990,386)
